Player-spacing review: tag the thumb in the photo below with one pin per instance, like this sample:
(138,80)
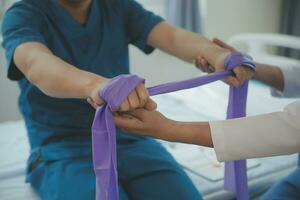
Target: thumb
(150,105)
(240,76)
(92,103)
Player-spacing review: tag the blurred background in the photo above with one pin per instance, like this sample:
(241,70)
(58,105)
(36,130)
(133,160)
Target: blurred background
(217,18)
(259,23)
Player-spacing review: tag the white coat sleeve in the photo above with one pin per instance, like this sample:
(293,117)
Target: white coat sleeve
(291,78)
(258,136)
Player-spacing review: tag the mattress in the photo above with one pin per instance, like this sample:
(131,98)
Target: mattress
(203,103)
(14,150)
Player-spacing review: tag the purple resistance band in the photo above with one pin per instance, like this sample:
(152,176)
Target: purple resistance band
(104,130)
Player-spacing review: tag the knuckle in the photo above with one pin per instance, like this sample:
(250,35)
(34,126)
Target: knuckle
(124,107)
(143,96)
(134,104)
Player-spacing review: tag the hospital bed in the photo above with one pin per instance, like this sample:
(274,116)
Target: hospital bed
(204,103)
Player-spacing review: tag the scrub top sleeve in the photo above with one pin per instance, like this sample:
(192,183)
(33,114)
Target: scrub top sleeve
(291,83)
(21,24)
(139,23)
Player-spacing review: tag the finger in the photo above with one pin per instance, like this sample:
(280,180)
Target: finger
(127,123)
(249,73)
(150,105)
(98,101)
(125,106)
(133,100)
(240,75)
(91,102)
(203,69)
(122,122)
(126,115)
(211,69)
(143,95)
(139,113)
(223,44)
(231,80)
(204,63)
(198,62)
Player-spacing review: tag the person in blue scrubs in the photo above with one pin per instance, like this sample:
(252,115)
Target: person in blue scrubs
(62,52)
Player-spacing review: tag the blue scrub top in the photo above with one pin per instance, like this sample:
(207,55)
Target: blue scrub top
(61,128)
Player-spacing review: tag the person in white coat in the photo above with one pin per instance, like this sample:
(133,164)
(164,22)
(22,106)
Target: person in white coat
(264,135)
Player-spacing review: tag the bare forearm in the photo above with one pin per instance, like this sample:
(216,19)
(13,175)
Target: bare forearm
(188,46)
(59,79)
(185,45)
(189,132)
(53,76)
(270,75)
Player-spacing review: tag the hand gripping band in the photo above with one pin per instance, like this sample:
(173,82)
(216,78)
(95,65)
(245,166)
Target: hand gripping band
(117,90)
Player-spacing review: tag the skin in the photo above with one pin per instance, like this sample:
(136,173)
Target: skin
(56,78)
(142,121)
(268,74)
(156,125)
(79,9)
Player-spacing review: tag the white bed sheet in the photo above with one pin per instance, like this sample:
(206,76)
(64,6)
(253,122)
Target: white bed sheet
(14,150)
(204,103)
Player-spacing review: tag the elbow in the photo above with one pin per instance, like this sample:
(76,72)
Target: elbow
(32,74)
(32,77)
(40,82)
(36,77)
(28,66)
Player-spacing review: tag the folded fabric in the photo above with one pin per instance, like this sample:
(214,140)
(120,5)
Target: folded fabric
(117,90)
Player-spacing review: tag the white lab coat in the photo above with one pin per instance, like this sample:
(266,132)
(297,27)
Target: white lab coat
(271,134)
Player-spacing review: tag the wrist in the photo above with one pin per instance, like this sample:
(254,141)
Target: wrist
(168,129)
(270,75)
(175,131)
(192,133)
(257,71)
(220,59)
(92,87)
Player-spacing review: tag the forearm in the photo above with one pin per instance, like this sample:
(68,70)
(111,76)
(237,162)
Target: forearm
(269,75)
(59,79)
(189,46)
(53,76)
(185,45)
(188,132)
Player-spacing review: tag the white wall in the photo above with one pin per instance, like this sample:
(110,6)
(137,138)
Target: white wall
(228,17)
(224,18)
